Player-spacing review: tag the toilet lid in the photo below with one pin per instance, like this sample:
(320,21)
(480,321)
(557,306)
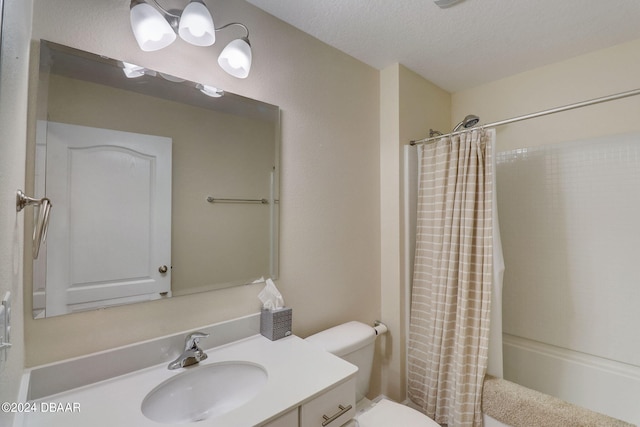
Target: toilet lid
(387,413)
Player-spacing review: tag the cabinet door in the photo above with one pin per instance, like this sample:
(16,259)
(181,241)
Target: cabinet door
(331,409)
(290,419)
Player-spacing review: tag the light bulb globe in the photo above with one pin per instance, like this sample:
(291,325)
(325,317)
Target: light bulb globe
(235,58)
(150,28)
(196,25)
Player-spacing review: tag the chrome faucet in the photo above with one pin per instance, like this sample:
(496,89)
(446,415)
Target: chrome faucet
(192,354)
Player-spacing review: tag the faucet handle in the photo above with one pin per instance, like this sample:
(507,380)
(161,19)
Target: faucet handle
(193,340)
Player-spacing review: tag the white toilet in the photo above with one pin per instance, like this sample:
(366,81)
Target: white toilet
(354,342)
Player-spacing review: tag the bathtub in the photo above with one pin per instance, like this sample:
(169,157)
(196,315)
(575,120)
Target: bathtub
(492,422)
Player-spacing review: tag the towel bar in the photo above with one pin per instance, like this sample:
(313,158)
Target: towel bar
(217,200)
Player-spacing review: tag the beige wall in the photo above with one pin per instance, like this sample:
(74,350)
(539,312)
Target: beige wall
(409,106)
(13,114)
(589,76)
(330,243)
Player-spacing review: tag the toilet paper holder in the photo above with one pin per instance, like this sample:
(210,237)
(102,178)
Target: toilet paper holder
(379,327)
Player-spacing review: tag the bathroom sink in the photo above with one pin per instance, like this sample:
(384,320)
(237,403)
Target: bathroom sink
(204,392)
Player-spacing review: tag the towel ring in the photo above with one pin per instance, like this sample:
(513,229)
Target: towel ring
(42,222)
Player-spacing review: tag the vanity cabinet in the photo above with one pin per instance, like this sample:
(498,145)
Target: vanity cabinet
(305,387)
(333,408)
(290,419)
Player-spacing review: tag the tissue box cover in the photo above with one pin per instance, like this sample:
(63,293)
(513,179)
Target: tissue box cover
(276,324)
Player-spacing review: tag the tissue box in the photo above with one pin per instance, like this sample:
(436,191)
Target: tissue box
(276,324)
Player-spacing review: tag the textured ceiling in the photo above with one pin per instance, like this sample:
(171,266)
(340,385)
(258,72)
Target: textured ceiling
(470,43)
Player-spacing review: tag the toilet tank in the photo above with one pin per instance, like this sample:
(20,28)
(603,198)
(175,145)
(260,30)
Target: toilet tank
(353,342)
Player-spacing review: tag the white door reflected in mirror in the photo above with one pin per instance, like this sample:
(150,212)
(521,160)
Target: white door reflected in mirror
(93,257)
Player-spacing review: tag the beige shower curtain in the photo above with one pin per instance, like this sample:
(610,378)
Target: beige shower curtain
(451,292)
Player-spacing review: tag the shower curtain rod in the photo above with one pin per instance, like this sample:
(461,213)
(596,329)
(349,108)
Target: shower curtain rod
(538,114)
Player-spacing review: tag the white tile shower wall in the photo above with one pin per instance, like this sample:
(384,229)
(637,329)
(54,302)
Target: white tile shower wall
(569,222)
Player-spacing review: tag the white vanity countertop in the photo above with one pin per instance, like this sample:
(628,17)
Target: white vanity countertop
(297,372)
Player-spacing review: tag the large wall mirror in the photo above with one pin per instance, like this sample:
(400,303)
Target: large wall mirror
(160,186)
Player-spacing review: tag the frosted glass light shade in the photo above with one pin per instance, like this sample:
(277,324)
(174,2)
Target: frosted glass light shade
(211,91)
(196,25)
(235,58)
(132,71)
(150,28)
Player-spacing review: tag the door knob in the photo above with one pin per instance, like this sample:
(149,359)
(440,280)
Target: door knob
(163,269)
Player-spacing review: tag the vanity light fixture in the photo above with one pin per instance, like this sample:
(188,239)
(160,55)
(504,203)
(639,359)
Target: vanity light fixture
(132,70)
(196,25)
(235,58)
(151,28)
(211,91)
(156,28)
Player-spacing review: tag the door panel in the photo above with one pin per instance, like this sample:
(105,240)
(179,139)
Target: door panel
(112,227)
